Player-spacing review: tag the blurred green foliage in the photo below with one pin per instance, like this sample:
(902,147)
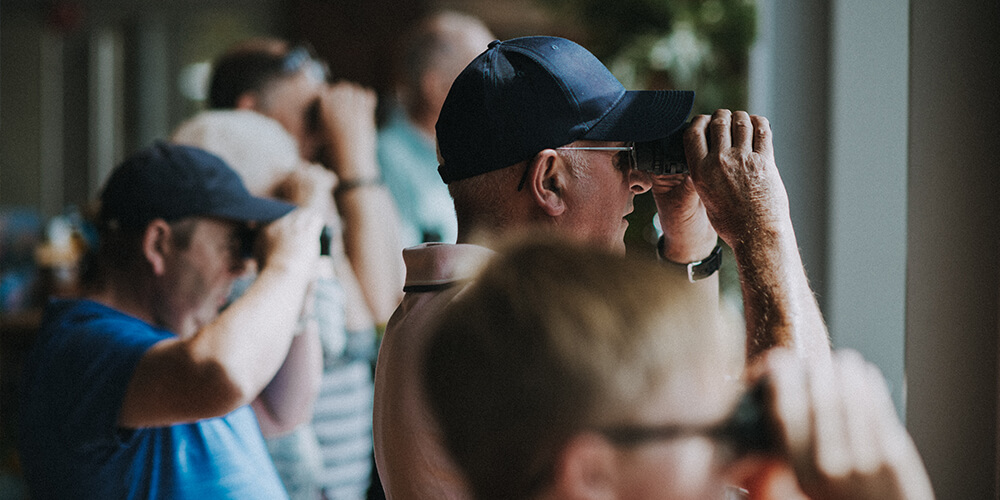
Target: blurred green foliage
(656,44)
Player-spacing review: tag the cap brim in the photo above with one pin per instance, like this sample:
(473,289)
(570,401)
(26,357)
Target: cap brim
(644,115)
(254,209)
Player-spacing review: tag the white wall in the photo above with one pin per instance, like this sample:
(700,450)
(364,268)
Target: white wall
(866,251)
(788,85)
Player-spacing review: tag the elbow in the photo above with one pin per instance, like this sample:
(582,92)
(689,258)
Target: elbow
(222,392)
(272,425)
(283,413)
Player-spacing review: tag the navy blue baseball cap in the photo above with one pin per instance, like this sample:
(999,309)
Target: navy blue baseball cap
(170,182)
(527,94)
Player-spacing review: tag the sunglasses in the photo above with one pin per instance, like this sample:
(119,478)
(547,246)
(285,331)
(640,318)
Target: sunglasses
(660,157)
(302,57)
(628,148)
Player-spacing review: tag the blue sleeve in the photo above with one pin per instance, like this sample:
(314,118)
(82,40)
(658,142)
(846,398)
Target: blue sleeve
(91,366)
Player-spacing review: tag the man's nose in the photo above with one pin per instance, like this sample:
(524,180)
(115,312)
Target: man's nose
(639,181)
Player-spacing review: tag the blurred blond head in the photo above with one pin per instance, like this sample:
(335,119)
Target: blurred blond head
(553,339)
(257,147)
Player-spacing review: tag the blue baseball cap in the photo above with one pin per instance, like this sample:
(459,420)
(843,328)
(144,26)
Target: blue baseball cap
(170,182)
(527,94)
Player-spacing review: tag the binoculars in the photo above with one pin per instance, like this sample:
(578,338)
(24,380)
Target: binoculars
(248,236)
(662,156)
(749,429)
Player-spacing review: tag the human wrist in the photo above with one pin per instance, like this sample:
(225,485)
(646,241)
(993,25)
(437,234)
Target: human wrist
(352,184)
(286,266)
(352,158)
(686,244)
(697,269)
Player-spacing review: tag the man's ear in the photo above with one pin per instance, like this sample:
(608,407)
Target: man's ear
(587,469)
(156,245)
(247,100)
(546,179)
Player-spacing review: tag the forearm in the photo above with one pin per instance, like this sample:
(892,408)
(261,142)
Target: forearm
(227,362)
(677,252)
(288,400)
(357,314)
(250,339)
(371,224)
(779,306)
(687,239)
(371,242)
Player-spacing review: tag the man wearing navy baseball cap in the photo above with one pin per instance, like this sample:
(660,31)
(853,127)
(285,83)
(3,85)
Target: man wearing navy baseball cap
(536,132)
(142,388)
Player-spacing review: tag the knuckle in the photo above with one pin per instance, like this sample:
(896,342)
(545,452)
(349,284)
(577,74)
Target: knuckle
(691,133)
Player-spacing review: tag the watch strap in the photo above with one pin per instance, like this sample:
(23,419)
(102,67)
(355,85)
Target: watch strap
(700,269)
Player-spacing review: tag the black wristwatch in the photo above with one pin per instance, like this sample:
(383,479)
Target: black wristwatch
(697,270)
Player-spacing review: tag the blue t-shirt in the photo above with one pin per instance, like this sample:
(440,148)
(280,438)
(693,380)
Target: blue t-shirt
(71,446)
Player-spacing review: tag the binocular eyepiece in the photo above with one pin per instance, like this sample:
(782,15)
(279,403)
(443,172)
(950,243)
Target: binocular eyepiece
(749,429)
(248,236)
(325,237)
(663,156)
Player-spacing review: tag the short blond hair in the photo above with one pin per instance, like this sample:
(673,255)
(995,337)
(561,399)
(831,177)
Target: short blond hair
(258,148)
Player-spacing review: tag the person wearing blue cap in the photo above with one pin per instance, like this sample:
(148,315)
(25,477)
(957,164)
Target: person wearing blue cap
(142,388)
(536,132)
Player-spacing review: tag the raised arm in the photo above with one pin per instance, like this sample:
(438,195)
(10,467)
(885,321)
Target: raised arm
(732,165)
(226,363)
(371,224)
(287,401)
